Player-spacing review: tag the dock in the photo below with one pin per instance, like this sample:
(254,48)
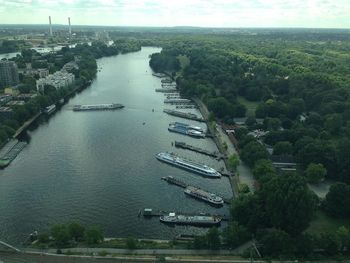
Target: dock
(10,151)
(149,213)
(177,101)
(183,145)
(167,90)
(182,184)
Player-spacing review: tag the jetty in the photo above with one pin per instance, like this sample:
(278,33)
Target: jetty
(167,90)
(149,212)
(10,151)
(215,155)
(182,184)
(185,115)
(177,101)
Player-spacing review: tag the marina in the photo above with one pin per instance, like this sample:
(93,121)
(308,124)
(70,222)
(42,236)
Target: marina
(83,164)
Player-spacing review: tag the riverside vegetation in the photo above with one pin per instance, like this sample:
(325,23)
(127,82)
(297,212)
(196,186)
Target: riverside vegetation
(298,83)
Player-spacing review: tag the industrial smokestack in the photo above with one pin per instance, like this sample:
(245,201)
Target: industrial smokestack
(50,26)
(70,28)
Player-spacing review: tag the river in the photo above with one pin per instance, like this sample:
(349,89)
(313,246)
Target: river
(99,167)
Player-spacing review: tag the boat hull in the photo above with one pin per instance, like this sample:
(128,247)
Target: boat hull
(188,168)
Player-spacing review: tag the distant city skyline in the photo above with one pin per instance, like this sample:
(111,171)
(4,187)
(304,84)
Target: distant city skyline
(159,13)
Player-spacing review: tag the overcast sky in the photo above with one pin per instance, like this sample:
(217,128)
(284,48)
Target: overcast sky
(205,13)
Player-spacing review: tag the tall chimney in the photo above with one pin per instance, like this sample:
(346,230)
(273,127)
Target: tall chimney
(70,28)
(50,26)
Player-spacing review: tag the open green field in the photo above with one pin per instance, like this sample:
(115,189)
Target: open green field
(324,223)
(250,105)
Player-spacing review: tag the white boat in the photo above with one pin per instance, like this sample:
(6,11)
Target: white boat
(188,165)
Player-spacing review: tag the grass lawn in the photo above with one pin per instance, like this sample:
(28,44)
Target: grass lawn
(324,223)
(250,105)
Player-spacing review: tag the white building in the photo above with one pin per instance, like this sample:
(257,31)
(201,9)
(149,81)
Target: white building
(58,80)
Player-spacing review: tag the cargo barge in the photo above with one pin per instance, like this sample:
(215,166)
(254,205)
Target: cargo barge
(96,107)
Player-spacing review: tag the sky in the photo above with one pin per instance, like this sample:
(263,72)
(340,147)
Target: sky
(167,13)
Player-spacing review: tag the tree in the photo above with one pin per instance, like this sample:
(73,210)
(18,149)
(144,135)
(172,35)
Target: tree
(235,234)
(343,234)
(275,242)
(76,231)
(289,204)
(131,243)
(253,152)
(263,168)
(60,234)
(283,147)
(247,210)
(330,243)
(213,238)
(338,200)
(93,235)
(315,172)
(233,161)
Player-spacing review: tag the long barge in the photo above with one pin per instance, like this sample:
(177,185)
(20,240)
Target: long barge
(195,220)
(201,169)
(196,192)
(185,115)
(96,107)
(10,152)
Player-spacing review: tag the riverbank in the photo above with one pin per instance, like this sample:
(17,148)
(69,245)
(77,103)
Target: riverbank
(212,129)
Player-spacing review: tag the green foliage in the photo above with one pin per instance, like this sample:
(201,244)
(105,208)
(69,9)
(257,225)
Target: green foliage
(243,189)
(337,201)
(213,238)
(233,161)
(93,235)
(282,195)
(61,235)
(76,231)
(283,147)
(131,243)
(252,152)
(263,168)
(235,235)
(315,172)
(275,242)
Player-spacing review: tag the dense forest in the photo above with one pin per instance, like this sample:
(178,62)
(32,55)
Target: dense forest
(298,84)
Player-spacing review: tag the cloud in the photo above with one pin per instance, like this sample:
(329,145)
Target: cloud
(217,13)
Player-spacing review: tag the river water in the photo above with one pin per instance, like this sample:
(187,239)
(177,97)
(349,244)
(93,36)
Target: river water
(100,167)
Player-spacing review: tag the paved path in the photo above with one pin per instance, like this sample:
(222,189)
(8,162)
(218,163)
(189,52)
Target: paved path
(244,172)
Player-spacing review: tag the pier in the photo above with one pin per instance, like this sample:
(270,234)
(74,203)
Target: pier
(183,145)
(182,184)
(167,90)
